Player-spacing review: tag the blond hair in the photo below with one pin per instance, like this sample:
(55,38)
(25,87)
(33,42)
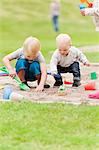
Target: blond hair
(31,45)
(63,39)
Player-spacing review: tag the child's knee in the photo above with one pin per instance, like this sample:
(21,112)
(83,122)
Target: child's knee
(21,64)
(75,66)
(35,67)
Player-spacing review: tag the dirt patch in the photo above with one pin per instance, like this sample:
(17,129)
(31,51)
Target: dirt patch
(73,95)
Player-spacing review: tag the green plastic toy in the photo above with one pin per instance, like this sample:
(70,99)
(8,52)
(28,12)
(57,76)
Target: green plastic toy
(16,78)
(93,75)
(61,88)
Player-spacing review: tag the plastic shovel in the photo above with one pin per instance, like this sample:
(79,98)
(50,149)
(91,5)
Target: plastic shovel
(4,69)
(21,85)
(16,78)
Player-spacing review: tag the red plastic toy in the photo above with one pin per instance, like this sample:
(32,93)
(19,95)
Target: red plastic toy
(90,5)
(90,86)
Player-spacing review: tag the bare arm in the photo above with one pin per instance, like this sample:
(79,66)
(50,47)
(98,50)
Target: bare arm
(7,63)
(40,87)
(10,57)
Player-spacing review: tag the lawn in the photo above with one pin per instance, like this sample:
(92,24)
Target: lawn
(20,19)
(27,126)
(93,56)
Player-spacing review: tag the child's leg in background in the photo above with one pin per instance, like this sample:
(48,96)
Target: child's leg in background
(96,22)
(55,23)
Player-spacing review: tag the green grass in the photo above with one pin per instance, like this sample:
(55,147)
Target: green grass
(20,19)
(92,56)
(26,126)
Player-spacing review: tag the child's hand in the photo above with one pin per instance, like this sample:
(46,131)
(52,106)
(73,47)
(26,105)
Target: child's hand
(39,88)
(82,12)
(57,76)
(12,73)
(87,64)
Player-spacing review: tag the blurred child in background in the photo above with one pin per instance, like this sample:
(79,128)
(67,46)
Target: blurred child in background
(55,12)
(94,11)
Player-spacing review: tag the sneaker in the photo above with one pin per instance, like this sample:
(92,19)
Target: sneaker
(46,86)
(58,83)
(76,83)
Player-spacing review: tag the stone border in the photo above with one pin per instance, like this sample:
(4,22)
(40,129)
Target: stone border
(92,48)
(95,64)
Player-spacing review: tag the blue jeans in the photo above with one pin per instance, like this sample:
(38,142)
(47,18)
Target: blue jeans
(31,69)
(73,68)
(55,23)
